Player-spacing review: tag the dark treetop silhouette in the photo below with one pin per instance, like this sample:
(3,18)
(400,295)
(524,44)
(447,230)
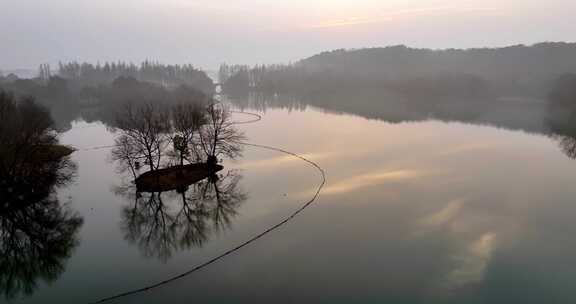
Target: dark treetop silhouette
(37,232)
(98,92)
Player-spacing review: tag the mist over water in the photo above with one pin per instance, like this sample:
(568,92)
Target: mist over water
(450,208)
(287,152)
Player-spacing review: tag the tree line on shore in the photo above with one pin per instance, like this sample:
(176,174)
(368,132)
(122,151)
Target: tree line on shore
(87,74)
(68,99)
(414,73)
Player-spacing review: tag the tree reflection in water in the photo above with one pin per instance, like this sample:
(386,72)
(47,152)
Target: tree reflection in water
(35,242)
(564,133)
(37,232)
(568,145)
(561,115)
(167,222)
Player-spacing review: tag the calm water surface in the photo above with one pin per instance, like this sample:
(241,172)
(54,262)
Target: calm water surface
(423,212)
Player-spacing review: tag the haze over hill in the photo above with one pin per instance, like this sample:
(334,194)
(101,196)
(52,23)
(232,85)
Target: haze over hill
(208,33)
(509,87)
(524,69)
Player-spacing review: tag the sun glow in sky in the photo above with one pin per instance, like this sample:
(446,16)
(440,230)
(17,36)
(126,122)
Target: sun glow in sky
(261,31)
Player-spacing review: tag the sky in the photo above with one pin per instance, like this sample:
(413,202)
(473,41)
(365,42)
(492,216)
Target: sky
(209,32)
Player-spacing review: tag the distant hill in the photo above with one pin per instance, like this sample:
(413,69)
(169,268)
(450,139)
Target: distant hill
(519,69)
(520,87)
(519,63)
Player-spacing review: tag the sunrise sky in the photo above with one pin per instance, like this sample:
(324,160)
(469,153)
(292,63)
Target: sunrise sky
(207,33)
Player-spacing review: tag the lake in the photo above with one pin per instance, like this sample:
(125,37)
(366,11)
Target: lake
(411,212)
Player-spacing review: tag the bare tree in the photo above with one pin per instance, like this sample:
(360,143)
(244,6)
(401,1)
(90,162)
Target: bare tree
(187,120)
(37,232)
(219,136)
(126,153)
(26,134)
(147,128)
(44,73)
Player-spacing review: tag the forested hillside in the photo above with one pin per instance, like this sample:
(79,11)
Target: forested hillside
(515,70)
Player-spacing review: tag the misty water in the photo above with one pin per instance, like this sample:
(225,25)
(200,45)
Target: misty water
(427,211)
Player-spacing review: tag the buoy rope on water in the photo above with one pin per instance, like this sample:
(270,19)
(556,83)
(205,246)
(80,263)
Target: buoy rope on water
(245,243)
(98,148)
(257,119)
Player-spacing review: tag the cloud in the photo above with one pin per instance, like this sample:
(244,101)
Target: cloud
(393,15)
(443,216)
(472,262)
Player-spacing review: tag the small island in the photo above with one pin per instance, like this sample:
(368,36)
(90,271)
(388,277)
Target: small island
(179,144)
(175,177)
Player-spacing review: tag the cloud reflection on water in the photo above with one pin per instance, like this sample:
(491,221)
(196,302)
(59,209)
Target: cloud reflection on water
(372,179)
